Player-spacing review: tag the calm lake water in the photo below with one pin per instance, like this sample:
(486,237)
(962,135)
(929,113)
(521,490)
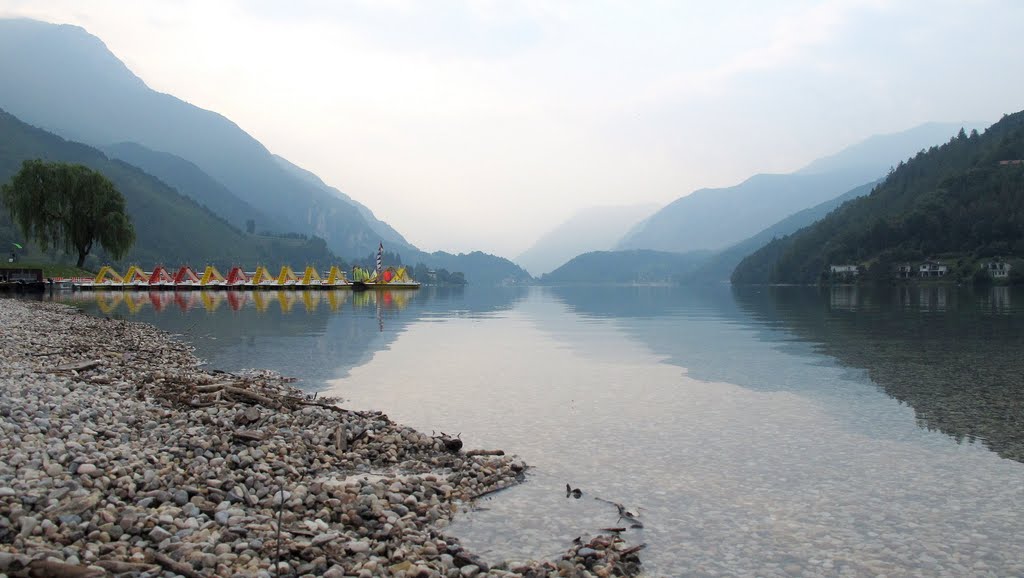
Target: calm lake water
(761,431)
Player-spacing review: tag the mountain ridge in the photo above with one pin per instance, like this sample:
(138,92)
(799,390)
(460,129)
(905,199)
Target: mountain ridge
(716,218)
(60,77)
(589,229)
(87,94)
(189,180)
(963,200)
(633,266)
(719,267)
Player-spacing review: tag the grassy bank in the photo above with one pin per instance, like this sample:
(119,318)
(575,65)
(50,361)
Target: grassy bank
(49,269)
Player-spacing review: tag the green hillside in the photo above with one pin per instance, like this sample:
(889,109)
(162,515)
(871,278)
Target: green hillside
(171,229)
(480,268)
(190,181)
(962,202)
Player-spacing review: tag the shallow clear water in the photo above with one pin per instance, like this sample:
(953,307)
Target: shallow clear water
(779,431)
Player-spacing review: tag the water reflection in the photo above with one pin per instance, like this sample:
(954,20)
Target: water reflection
(748,451)
(998,300)
(131,302)
(754,428)
(314,336)
(951,354)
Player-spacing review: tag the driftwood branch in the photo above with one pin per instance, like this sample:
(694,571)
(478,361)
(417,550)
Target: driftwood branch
(333,408)
(624,514)
(472,453)
(489,492)
(120,567)
(360,435)
(52,569)
(176,567)
(233,388)
(252,396)
(249,435)
(632,550)
(214,387)
(80,366)
(340,439)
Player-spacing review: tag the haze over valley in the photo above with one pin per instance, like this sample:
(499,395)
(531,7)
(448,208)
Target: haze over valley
(462,288)
(678,114)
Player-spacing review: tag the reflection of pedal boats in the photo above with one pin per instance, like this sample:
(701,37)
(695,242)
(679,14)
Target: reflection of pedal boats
(365,285)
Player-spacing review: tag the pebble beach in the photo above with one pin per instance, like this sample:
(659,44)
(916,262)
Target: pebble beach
(122,455)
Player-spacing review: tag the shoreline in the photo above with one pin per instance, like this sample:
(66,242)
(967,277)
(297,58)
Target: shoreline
(124,457)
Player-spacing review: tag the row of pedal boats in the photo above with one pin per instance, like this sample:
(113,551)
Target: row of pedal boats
(211,279)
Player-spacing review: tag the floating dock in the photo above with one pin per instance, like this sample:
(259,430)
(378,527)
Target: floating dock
(186,279)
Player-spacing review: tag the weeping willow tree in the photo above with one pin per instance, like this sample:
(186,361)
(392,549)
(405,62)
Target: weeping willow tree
(69,206)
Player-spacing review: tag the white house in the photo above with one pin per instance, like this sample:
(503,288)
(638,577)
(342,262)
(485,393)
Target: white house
(998,269)
(844,269)
(932,269)
(905,271)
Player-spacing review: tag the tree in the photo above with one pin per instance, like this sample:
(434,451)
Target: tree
(60,204)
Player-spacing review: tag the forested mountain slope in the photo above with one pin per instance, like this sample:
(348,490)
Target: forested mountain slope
(719,267)
(170,229)
(964,198)
(190,181)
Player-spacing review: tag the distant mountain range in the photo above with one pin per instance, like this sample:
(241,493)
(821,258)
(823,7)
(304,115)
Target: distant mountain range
(962,202)
(637,266)
(694,239)
(62,79)
(713,219)
(719,267)
(646,266)
(591,229)
(718,213)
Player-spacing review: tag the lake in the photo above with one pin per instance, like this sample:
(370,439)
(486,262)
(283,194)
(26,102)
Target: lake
(755,431)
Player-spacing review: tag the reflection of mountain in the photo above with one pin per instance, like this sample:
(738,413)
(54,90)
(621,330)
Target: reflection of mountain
(952,355)
(699,328)
(617,301)
(312,335)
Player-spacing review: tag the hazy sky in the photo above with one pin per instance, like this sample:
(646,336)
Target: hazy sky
(480,125)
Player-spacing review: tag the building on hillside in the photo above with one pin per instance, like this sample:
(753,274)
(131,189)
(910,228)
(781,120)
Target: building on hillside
(997,269)
(905,271)
(844,270)
(932,269)
(1011,162)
